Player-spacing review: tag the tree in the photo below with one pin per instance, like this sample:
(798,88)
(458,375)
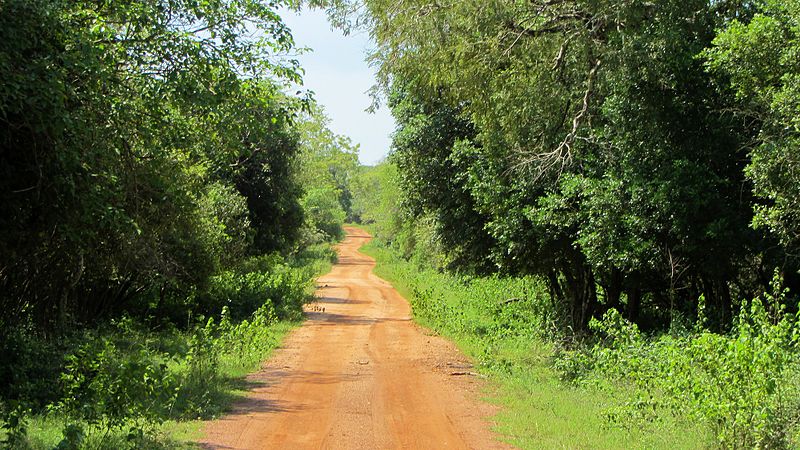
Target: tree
(329,163)
(433,179)
(324,212)
(376,200)
(117,117)
(755,58)
(600,158)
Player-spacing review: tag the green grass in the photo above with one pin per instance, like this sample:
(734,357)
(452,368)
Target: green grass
(236,367)
(45,431)
(200,372)
(540,411)
(512,346)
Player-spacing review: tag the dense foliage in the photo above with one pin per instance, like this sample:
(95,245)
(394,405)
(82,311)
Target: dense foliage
(376,197)
(639,159)
(742,386)
(756,58)
(634,154)
(329,164)
(146,145)
(153,183)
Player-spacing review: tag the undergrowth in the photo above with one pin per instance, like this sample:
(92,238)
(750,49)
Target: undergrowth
(742,386)
(130,384)
(616,388)
(507,326)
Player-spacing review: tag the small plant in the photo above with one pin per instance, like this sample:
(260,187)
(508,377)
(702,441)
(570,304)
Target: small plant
(199,380)
(74,437)
(15,426)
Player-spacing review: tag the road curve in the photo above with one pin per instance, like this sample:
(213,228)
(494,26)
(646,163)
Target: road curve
(360,375)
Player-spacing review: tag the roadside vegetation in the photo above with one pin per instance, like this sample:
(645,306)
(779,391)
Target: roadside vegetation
(686,388)
(165,206)
(125,383)
(506,326)
(598,201)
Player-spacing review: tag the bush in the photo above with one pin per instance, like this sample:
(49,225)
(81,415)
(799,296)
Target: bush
(247,342)
(224,223)
(29,368)
(324,211)
(742,385)
(104,384)
(199,376)
(260,281)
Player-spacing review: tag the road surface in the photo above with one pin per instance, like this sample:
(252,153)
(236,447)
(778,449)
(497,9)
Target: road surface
(359,375)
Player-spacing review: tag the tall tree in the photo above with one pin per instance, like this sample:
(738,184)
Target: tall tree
(117,118)
(329,163)
(755,57)
(599,157)
(433,177)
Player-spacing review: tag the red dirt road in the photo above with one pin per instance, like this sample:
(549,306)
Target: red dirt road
(360,375)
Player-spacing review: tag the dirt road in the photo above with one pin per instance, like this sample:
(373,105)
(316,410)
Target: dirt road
(360,375)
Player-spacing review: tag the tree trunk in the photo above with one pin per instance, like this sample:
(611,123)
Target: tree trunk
(613,290)
(72,282)
(582,294)
(634,304)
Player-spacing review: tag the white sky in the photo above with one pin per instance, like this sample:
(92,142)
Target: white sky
(336,72)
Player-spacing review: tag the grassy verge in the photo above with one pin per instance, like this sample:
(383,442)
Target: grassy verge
(220,390)
(503,324)
(129,384)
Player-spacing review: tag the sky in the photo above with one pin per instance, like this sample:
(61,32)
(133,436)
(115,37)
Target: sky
(336,71)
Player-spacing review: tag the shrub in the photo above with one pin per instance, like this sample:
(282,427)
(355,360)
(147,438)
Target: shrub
(742,385)
(14,426)
(198,376)
(324,211)
(224,223)
(29,368)
(247,342)
(259,282)
(109,386)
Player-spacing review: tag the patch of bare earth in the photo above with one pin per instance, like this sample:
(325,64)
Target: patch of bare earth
(359,375)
